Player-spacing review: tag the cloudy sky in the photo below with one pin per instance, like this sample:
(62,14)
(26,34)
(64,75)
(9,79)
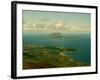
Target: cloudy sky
(55,21)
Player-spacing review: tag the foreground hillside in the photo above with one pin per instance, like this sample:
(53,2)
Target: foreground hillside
(35,57)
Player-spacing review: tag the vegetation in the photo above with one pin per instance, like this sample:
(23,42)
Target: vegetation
(35,57)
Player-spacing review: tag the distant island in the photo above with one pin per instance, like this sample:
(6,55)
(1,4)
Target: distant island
(56,35)
(36,57)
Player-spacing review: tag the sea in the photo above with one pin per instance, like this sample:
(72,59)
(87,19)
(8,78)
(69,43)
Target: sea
(76,40)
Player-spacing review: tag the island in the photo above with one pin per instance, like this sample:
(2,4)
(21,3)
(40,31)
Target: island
(56,35)
(37,57)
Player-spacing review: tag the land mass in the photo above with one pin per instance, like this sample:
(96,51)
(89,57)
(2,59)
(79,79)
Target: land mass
(36,57)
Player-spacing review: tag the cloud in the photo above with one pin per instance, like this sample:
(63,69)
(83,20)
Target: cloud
(56,26)
(59,24)
(77,28)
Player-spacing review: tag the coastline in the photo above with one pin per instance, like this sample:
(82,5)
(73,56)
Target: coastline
(35,57)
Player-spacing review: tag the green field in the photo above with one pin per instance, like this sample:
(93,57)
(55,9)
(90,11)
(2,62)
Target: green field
(37,57)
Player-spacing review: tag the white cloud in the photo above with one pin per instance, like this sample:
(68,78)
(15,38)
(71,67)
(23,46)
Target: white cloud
(60,24)
(57,26)
(77,28)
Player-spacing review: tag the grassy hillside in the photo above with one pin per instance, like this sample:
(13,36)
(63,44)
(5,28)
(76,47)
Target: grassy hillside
(35,57)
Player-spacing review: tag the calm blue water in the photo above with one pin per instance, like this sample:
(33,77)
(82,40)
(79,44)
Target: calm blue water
(78,41)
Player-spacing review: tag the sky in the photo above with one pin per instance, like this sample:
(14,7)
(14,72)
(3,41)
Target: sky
(55,21)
